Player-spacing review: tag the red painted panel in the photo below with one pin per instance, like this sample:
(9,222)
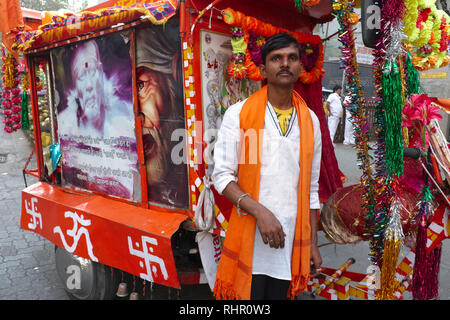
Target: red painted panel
(111,232)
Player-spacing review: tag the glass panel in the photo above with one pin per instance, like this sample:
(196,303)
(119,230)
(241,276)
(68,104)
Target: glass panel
(160,96)
(46,115)
(94,99)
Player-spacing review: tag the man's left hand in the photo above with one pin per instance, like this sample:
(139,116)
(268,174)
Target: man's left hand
(316,260)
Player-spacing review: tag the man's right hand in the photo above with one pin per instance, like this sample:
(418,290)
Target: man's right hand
(270,228)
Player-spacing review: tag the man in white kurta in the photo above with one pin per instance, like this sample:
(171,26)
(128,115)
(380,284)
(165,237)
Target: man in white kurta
(280,166)
(335,110)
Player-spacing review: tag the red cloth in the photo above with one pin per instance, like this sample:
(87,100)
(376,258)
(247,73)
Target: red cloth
(330,176)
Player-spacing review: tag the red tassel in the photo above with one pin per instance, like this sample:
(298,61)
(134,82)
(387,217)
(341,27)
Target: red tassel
(434,261)
(420,262)
(425,283)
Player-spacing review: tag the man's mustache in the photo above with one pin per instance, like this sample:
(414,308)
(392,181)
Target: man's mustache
(284,71)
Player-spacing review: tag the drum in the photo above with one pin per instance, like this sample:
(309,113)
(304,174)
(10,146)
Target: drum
(343,217)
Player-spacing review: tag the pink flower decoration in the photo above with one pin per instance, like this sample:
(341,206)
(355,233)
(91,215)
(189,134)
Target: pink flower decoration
(408,115)
(15,117)
(420,108)
(8,129)
(7,112)
(17,126)
(15,91)
(16,100)
(6,103)
(426,111)
(16,109)
(7,121)
(6,95)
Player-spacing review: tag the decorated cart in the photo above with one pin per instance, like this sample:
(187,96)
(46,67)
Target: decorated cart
(127,98)
(133,94)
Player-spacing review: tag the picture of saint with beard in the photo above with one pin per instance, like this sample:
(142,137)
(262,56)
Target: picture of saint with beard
(95,116)
(160,96)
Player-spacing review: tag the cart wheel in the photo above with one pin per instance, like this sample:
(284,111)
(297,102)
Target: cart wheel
(84,279)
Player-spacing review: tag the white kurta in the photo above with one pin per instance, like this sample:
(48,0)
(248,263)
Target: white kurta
(348,131)
(349,137)
(280,167)
(335,113)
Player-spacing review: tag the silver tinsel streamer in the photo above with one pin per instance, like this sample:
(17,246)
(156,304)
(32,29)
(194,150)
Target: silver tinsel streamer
(394,228)
(393,41)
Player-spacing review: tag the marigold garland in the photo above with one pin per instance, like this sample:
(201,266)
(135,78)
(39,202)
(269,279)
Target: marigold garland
(426,28)
(264,30)
(236,68)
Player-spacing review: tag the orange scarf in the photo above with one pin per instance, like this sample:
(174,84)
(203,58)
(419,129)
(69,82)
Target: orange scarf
(234,274)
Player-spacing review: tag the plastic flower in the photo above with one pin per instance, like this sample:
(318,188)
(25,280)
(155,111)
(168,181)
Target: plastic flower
(420,109)
(15,91)
(16,100)
(16,109)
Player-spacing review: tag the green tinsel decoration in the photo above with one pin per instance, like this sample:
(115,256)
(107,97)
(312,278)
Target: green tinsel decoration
(25,121)
(413,77)
(299,5)
(392,99)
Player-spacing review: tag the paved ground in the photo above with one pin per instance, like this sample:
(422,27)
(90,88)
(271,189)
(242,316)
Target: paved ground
(27,266)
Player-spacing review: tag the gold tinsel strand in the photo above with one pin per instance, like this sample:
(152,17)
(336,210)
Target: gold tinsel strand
(390,257)
(9,71)
(25,82)
(403,86)
(392,243)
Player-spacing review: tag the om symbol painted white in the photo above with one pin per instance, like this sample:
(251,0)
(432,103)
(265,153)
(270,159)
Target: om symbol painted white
(76,233)
(150,260)
(36,217)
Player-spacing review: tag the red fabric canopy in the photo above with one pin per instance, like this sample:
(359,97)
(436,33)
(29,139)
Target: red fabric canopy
(280,13)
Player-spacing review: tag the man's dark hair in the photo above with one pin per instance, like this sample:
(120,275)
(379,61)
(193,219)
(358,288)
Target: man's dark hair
(278,41)
(336,88)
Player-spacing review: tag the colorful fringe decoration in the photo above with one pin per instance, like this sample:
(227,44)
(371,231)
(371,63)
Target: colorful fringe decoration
(387,48)
(57,26)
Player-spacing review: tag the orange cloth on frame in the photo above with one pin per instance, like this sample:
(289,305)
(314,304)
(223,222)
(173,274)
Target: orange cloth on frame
(234,274)
(10,15)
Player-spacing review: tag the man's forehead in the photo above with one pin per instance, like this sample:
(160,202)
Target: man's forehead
(292,48)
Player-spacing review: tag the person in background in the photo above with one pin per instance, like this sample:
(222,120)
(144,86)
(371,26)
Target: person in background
(334,106)
(349,138)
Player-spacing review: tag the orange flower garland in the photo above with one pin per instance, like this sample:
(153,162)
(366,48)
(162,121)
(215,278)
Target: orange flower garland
(247,23)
